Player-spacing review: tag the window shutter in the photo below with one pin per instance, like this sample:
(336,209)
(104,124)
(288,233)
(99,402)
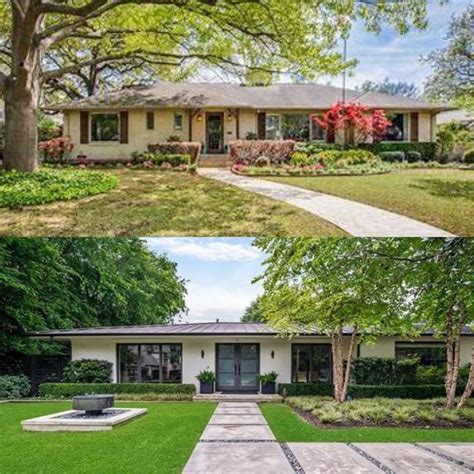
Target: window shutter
(261,125)
(150,120)
(124,127)
(84,124)
(414,126)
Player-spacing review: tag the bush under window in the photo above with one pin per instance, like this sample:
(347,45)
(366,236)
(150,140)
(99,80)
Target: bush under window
(88,371)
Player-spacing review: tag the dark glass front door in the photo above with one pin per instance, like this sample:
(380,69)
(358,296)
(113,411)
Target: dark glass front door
(237,367)
(215,132)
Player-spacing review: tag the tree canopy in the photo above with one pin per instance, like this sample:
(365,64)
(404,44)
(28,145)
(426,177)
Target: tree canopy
(254,312)
(452,79)
(57,283)
(397,88)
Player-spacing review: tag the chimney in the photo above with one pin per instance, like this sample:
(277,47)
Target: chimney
(217,320)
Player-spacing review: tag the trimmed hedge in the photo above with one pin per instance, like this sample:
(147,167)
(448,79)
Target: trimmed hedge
(384,371)
(87,371)
(468,156)
(419,392)
(427,150)
(192,149)
(249,151)
(14,386)
(68,390)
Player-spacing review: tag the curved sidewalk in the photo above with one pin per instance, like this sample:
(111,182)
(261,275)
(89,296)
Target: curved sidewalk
(353,217)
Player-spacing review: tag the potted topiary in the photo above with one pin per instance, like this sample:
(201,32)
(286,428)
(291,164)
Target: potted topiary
(206,379)
(268,382)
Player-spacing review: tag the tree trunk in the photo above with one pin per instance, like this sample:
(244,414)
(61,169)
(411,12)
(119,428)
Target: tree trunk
(454,331)
(350,355)
(470,383)
(338,365)
(21,91)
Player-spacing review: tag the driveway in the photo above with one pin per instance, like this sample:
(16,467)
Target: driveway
(238,440)
(357,219)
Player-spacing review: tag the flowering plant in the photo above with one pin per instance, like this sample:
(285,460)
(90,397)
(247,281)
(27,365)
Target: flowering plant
(358,121)
(56,149)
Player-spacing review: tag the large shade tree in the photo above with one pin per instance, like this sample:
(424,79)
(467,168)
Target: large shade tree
(336,287)
(66,283)
(273,35)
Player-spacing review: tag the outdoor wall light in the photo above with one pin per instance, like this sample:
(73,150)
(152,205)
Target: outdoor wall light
(272,354)
(202,354)
(229,117)
(199,118)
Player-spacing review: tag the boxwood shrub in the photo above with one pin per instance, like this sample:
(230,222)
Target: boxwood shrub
(365,391)
(68,390)
(88,371)
(14,386)
(392,156)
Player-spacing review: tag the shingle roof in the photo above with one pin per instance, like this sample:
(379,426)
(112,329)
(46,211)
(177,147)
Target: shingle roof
(191,329)
(276,96)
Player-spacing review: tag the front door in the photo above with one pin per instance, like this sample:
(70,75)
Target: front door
(215,132)
(237,367)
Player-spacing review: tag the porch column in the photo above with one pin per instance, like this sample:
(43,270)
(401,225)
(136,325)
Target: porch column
(190,124)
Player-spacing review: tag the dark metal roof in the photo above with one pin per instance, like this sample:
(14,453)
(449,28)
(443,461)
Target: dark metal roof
(275,96)
(191,329)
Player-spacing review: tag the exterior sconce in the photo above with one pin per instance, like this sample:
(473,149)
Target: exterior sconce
(272,354)
(229,117)
(202,354)
(199,118)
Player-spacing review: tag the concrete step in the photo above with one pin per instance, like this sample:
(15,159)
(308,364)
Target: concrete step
(237,397)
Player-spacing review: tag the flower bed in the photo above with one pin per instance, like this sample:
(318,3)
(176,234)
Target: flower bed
(324,412)
(19,189)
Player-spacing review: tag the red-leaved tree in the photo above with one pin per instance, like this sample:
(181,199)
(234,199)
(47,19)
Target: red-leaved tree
(358,122)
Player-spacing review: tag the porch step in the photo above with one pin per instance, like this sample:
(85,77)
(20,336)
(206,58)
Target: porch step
(214,161)
(237,397)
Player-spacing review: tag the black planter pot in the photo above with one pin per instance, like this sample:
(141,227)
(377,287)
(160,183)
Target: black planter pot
(207,387)
(268,388)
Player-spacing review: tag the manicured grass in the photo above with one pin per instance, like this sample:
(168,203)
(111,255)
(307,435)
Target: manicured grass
(151,202)
(440,197)
(160,441)
(287,426)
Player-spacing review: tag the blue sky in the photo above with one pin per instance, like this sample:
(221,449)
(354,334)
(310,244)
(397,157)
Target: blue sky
(219,273)
(398,57)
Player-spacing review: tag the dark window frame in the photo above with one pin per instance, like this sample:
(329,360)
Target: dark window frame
(421,344)
(311,344)
(178,127)
(139,372)
(150,120)
(111,140)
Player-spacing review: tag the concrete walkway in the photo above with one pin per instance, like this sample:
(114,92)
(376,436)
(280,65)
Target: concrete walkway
(355,218)
(238,440)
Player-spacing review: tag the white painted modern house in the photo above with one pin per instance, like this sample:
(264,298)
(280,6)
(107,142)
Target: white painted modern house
(114,125)
(236,352)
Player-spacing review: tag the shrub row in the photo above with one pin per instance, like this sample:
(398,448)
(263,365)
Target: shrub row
(192,149)
(68,390)
(14,386)
(384,371)
(418,392)
(161,159)
(272,151)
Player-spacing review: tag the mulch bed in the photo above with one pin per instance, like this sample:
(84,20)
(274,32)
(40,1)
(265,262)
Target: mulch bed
(314,420)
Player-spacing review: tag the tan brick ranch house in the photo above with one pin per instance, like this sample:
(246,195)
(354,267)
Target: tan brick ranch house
(236,352)
(115,125)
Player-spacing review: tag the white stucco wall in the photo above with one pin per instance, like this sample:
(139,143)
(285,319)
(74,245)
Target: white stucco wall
(106,348)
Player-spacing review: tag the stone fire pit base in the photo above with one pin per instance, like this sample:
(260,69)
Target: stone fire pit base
(67,421)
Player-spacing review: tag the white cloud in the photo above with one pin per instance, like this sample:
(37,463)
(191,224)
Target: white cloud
(209,249)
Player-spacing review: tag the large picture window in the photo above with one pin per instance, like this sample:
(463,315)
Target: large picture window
(150,363)
(295,127)
(429,353)
(396,131)
(311,363)
(104,127)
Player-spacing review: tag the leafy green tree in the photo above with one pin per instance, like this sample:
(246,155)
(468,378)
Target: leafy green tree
(254,312)
(336,287)
(67,283)
(452,79)
(400,88)
(272,36)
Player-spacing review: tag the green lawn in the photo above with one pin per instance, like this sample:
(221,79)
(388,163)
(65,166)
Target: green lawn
(289,427)
(441,197)
(160,441)
(161,203)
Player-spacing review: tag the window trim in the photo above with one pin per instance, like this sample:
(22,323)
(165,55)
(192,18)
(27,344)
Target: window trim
(139,344)
(312,344)
(91,140)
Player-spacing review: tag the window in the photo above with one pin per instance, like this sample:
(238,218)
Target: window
(429,353)
(395,132)
(272,126)
(149,363)
(295,127)
(150,120)
(317,132)
(178,122)
(104,127)
(311,363)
